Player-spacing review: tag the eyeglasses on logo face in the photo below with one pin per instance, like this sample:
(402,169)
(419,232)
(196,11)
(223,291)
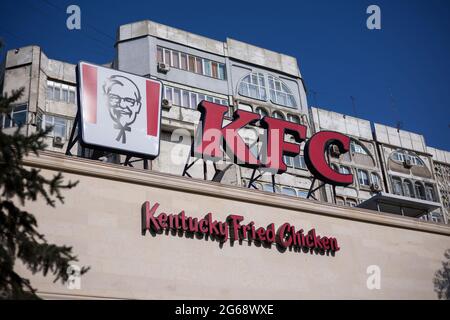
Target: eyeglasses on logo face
(114,99)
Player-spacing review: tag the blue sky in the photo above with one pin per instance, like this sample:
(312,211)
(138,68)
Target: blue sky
(400,73)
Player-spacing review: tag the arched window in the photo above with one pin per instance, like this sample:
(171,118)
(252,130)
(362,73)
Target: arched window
(402,156)
(245,107)
(289,191)
(302,193)
(268,187)
(408,189)
(399,156)
(351,202)
(293,118)
(397,186)
(420,190)
(280,93)
(355,147)
(278,115)
(262,112)
(417,161)
(253,86)
(344,170)
(340,201)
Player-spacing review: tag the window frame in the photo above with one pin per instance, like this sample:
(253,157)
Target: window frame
(283,89)
(258,87)
(190,94)
(46,117)
(361,183)
(11,116)
(194,64)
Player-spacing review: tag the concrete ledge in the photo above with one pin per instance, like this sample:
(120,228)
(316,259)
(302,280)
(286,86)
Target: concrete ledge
(86,167)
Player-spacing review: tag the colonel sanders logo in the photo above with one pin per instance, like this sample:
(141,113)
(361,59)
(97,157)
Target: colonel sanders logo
(123,102)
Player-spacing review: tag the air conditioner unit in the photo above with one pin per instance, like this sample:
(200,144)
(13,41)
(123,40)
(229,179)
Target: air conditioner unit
(58,141)
(163,67)
(375,187)
(334,151)
(407,163)
(166,103)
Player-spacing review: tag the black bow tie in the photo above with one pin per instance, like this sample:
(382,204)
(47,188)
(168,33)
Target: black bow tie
(122,131)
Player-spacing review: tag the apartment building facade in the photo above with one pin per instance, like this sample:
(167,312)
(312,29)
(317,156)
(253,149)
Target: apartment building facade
(105,217)
(241,76)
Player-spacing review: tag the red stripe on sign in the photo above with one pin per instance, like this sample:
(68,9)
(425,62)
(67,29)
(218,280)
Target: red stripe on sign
(153,91)
(89,93)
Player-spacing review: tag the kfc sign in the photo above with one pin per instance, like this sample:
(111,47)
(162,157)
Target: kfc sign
(235,229)
(119,111)
(213,139)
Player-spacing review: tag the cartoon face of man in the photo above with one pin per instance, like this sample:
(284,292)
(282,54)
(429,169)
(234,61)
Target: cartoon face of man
(124,103)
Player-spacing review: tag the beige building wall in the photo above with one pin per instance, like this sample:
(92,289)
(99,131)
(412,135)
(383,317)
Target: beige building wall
(101,219)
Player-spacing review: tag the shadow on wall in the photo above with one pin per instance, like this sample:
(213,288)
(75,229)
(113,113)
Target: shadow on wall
(442,278)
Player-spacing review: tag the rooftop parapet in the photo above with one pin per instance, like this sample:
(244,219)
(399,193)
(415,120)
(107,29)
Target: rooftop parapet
(231,48)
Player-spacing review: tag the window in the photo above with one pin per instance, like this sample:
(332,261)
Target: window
(280,93)
(199,67)
(175,60)
(302,194)
(289,191)
(167,58)
(408,190)
(193,100)
(287,161)
(71,96)
(375,179)
(57,91)
(267,187)
(344,170)
(245,107)
(429,192)
(191,63)
(189,99)
(176,97)
(401,157)
(397,186)
(253,86)
(159,55)
(299,162)
(417,161)
(185,102)
(221,72)
(262,112)
(293,118)
(340,201)
(15,118)
(357,148)
(59,125)
(278,115)
(351,203)
(184,61)
(363,177)
(420,191)
(436,217)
